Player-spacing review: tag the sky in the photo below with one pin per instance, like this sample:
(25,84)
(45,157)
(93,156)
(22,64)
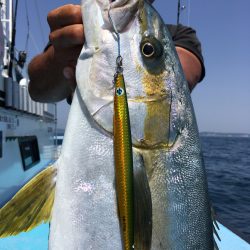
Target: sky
(222,99)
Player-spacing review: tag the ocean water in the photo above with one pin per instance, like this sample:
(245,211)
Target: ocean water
(227,161)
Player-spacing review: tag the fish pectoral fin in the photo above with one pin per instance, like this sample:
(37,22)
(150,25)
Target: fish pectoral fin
(143,206)
(31,205)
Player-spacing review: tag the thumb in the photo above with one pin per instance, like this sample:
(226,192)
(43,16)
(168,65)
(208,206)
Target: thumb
(69,74)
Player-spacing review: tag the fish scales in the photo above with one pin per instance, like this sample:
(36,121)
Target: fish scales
(166,148)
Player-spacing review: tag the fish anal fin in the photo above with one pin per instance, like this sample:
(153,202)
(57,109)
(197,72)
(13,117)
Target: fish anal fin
(31,205)
(142,205)
(215,228)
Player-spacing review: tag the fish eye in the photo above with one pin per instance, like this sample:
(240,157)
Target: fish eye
(148,49)
(151,48)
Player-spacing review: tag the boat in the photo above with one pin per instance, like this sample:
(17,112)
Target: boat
(27,128)
(38,239)
(27,142)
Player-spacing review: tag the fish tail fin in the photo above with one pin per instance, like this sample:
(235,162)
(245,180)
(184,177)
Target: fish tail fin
(143,206)
(31,205)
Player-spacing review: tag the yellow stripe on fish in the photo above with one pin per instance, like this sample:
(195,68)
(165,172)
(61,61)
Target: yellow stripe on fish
(123,163)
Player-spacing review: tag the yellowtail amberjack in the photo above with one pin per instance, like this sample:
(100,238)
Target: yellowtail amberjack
(170,204)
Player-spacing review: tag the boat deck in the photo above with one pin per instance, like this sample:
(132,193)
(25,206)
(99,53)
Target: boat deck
(38,239)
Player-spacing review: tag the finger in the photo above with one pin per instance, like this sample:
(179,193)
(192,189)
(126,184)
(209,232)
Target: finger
(67,36)
(67,57)
(65,15)
(69,74)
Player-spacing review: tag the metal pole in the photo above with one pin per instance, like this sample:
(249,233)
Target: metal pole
(10,20)
(6,19)
(13,42)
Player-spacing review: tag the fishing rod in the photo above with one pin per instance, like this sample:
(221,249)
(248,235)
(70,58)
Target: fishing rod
(178,11)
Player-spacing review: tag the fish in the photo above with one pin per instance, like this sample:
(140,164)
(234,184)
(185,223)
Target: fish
(170,201)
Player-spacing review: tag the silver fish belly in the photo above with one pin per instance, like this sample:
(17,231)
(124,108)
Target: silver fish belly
(165,139)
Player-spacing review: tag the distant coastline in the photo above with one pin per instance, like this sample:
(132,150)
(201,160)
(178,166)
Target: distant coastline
(219,134)
(60,132)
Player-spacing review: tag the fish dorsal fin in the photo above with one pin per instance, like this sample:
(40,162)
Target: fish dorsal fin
(31,205)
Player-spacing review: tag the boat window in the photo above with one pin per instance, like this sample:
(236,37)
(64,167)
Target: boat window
(1,144)
(29,151)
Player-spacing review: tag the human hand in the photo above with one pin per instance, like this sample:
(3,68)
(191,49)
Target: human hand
(66,37)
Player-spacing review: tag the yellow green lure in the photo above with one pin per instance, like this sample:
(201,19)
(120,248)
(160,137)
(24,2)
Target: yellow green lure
(123,156)
(123,160)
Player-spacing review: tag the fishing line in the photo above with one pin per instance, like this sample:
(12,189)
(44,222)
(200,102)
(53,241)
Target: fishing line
(189,11)
(39,21)
(35,43)
(118,61)
(28,27)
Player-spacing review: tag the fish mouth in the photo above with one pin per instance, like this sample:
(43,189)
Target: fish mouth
(113,4)
(117,3)
(121,12)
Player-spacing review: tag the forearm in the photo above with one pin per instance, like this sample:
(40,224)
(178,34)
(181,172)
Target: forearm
(47,82)
(191,66)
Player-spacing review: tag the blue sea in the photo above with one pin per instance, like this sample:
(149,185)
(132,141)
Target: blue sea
(227,161)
